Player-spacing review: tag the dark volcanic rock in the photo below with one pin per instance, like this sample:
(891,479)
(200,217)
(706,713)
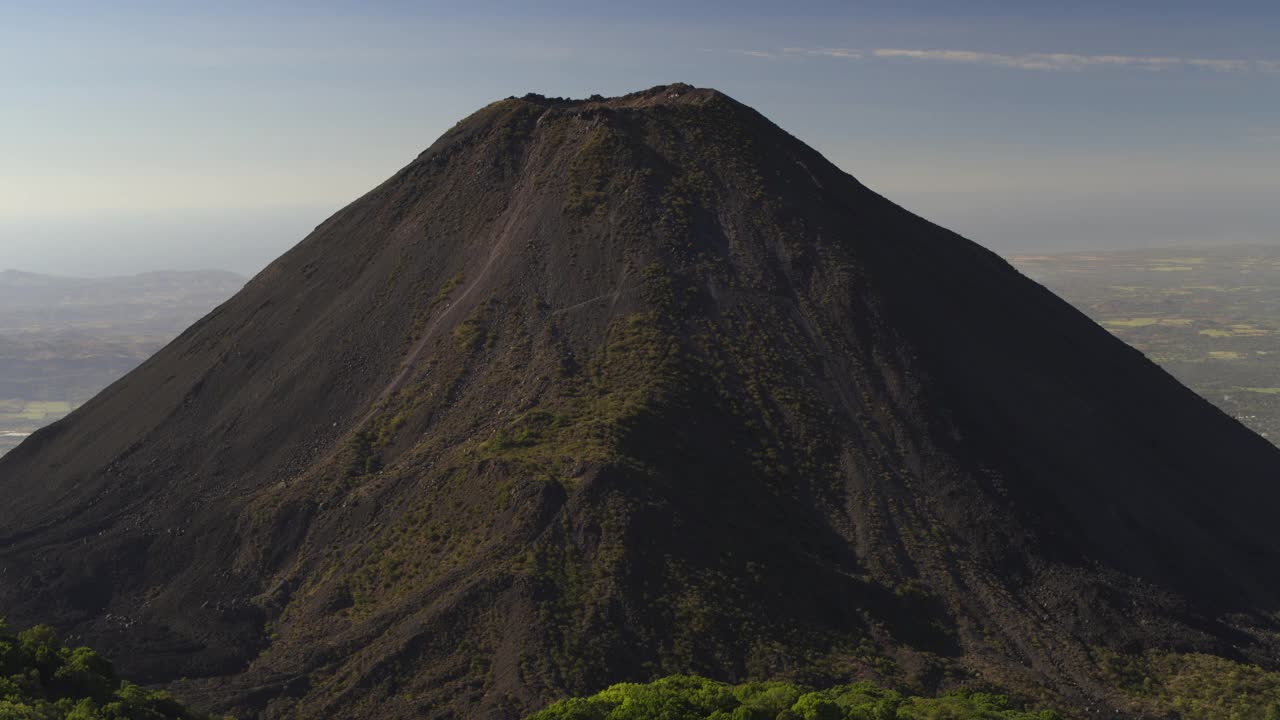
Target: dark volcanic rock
(600,390)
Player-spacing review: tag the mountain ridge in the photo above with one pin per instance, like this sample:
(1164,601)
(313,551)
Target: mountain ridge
(13,273)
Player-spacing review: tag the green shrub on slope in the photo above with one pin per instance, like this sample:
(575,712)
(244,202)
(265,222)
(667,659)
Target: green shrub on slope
(40,679)
(682,697)
(1193,686)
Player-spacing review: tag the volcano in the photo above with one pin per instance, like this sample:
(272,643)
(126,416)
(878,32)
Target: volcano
(607,389)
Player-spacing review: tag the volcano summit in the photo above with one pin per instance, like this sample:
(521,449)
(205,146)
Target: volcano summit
(603,390)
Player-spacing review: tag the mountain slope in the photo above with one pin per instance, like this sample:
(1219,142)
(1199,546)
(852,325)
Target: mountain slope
(604,390)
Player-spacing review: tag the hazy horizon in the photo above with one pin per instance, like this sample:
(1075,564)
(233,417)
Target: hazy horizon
(244,244)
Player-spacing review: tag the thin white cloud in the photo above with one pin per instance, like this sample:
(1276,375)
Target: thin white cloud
(826,52)
(755,53)
(1222,65)
(1032,61)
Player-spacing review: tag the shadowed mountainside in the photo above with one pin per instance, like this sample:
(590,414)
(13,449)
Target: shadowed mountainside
(606,390)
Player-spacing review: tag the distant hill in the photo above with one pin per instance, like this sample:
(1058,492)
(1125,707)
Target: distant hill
(616,389)
(62,339)
(155,302)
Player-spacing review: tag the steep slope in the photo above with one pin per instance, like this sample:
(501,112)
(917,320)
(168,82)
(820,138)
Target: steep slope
(611,389)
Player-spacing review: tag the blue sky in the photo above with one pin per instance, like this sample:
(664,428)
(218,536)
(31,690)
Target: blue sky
(139,135)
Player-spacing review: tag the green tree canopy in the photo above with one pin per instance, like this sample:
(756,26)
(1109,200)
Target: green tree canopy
(41,679)
(683,697)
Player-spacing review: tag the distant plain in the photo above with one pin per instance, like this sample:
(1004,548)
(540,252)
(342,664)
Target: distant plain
(1208,316)
(62,340)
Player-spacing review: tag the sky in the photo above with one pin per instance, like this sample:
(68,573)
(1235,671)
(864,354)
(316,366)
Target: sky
(138,136)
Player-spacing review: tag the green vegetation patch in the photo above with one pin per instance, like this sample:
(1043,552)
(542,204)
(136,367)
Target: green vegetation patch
(1147,322)
(365,446)
(684,193)
(516,123)
(425,313)
(470,334)
(631,371)
(1131,322)
(593,176)
(36,411)
(682,697)
(40,679)
(39,410)
(583,423)
(1236,330)
(407,557)
(1193,686)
